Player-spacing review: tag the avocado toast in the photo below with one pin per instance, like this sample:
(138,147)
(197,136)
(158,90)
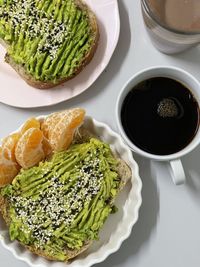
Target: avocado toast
(48,41)
(57,209)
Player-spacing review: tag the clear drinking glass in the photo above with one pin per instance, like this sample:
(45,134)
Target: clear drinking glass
(173,25)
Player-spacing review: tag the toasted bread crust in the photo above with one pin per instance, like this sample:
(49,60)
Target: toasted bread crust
(70,254)
(4,207)
(86,60)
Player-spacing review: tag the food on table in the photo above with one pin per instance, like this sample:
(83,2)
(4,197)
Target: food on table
(38,139)
(9,145)
(29,149)
(8,169)
(48,42)
(30,123)
(57,208)
(59,127)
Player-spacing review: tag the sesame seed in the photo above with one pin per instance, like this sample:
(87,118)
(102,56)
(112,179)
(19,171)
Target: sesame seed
(34,22)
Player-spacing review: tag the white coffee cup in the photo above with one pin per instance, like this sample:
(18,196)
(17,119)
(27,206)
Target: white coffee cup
(177,171)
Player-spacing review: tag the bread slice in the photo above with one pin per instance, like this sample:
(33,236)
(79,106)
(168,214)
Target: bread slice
(46,84)
(81,136)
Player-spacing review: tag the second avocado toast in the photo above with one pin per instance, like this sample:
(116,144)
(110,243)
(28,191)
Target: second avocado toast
(48,41)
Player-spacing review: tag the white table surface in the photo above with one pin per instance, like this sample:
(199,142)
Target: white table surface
(167,233)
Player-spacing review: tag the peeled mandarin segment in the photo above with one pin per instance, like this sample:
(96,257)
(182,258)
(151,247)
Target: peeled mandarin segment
(30,123)
(76,117)
(62,140)
(8,169)
(33,138)
(50,122)
(61,135)
(46,147)
(29,151)
(8,146)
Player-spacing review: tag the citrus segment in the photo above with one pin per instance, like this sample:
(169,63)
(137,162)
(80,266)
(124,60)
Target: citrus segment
(29,150)
(46,146)
(30,123)
(49,123)
(59,128)
(8,169)
(8,146)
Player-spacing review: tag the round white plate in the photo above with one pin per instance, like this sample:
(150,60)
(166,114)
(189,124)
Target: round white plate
(15,92)
(117,227)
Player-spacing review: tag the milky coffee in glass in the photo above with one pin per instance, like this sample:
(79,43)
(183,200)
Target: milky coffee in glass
(173,25)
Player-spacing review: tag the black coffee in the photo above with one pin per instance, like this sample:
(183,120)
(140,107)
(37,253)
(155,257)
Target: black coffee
(160,116)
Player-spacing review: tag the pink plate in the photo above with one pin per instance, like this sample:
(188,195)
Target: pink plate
(15,92)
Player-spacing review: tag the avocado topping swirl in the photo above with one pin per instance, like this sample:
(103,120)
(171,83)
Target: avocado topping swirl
(63,203)
(49,38)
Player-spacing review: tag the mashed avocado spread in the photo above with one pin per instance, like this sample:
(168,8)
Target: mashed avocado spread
(63,203)
(49,38)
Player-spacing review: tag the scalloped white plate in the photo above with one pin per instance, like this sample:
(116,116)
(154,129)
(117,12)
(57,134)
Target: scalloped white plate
(117,227)
(15,92)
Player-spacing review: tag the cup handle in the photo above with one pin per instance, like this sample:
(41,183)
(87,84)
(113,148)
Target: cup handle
(177,172)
